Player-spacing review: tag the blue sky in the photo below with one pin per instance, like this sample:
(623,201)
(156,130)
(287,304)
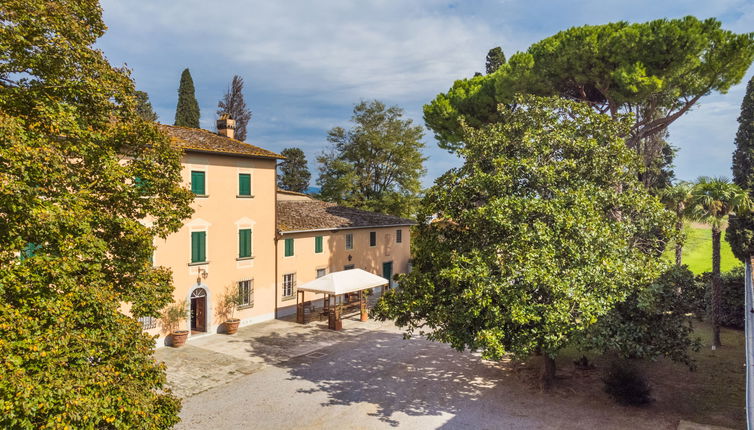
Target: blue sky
(307,63)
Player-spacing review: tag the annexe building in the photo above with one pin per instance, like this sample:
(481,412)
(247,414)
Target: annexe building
(319,238)
(245,235)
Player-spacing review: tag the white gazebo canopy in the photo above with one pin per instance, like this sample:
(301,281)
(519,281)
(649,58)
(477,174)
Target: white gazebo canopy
(346,281)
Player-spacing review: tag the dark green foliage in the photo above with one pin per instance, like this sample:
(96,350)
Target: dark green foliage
(541,232)
(731,297)
(294,174)
(657,70)
(72,142)
(740,232)
(233,103)
(187,109)
(654,321)
(144,107)
(495,59)
(626,384)
(377,164)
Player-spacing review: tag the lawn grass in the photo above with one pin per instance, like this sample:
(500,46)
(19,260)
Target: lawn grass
(713,394)
(697,251)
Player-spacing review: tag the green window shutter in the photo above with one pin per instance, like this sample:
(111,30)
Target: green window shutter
(318,244)
(198,246)
(197,183)
(244,243)
(288,247)
(244,184)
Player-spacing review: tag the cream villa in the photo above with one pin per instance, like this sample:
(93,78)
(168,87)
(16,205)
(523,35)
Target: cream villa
(247,234)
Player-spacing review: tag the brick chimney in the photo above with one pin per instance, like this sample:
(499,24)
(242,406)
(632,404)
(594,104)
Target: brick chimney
(226,126)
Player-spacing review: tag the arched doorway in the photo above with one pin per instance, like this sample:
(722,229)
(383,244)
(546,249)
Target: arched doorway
(199,310)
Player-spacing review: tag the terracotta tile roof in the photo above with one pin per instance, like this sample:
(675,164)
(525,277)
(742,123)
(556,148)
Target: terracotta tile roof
(293,193)
(197,139)
(303,215)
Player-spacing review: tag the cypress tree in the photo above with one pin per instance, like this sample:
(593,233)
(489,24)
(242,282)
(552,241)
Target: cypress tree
(187,110)
(740,232)
(495,59)
(144,107)
(294,175)
(234,104)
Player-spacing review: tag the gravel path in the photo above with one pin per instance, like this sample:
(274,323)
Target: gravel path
(377,380)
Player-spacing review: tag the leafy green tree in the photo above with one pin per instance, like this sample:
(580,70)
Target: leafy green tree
(534,239)
(187,109)
(653,321)
(740,232)
(144,107)
(233,103)
(294,173)
(495,59)
(714,199)
(677,199)
(656,70)
(377,164)
(72,247)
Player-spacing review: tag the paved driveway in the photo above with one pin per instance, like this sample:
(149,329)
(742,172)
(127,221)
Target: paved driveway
(282,375)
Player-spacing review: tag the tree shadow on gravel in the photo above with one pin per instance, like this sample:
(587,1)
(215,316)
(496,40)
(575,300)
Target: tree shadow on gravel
(415,377)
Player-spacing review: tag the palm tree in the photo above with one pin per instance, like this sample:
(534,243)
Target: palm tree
(677,199)
(713,200)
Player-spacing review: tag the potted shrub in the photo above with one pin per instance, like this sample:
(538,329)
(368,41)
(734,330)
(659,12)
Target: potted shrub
(172,318)
(226,309)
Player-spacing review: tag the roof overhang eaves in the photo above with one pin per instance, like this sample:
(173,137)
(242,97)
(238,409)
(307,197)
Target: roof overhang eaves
(232,154)
(346,228)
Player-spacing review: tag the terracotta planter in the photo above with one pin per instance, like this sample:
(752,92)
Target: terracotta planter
(231,326)
(178,338)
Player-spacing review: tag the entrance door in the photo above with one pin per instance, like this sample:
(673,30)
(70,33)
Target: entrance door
(387,272)
(199,310)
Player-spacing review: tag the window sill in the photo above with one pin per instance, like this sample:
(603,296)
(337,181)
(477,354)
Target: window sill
(244,258)
(286,298)
(199,263)
(201,196)
(245,197)
(242,307)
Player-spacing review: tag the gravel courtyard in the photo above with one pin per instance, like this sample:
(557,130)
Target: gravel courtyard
(282,375)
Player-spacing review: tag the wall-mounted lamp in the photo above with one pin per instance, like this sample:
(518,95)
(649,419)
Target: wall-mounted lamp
(201,274)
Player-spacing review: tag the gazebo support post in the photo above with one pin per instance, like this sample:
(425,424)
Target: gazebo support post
(300,318)
(363,303)
(334,322)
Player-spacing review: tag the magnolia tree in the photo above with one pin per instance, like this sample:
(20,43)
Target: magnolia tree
(79,169)
(540,233)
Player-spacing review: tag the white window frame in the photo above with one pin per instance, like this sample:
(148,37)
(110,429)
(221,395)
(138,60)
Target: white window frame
(250,297)
(349,241)
(289,284)
(323,270)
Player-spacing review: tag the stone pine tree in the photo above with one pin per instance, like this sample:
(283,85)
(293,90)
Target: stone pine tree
(655,70)
(377,164)
(294,174)
(144,107)
(495,59)
(535,238)
(233,103)
(740,232)
(714,200)
(187,109)
(73,248)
